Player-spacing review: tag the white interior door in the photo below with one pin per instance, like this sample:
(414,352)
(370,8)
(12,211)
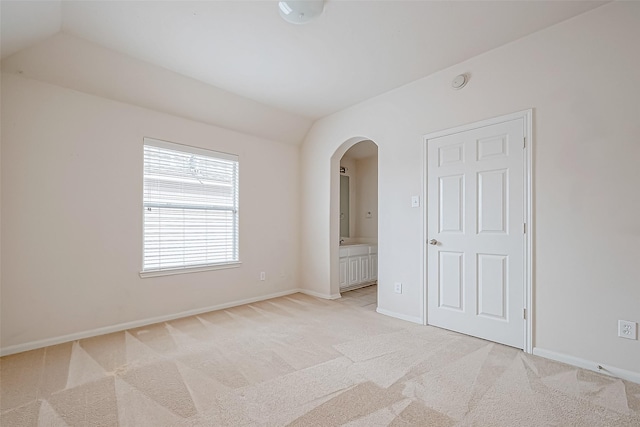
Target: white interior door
(475,229)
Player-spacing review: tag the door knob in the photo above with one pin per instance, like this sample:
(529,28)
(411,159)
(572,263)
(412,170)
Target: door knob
(433,242)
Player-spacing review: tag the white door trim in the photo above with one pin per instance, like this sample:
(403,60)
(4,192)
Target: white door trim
(527,117)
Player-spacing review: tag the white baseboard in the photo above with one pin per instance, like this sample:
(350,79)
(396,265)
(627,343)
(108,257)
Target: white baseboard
(318,294)
(32,345)
(413,319)
(588,364)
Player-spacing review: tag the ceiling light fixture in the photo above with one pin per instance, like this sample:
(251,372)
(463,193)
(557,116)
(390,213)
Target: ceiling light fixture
(300,11)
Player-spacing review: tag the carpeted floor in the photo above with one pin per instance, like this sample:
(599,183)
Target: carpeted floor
(302,361)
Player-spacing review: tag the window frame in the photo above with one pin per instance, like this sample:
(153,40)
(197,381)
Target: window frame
(147,141)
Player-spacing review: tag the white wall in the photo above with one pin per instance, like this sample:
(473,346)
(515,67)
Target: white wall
(367,198)
(363,194)
(72,221)
(580,78)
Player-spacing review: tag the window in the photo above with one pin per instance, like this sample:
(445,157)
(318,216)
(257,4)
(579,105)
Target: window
(190,203)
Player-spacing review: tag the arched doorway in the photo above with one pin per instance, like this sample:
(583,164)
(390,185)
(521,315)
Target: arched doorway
(354,215)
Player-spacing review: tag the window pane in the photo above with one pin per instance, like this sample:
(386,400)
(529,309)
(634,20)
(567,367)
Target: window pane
(190,207)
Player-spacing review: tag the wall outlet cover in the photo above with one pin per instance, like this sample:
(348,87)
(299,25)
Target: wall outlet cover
(397,288)
(627,329)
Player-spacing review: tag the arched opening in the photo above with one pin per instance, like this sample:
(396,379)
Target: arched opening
(354,216)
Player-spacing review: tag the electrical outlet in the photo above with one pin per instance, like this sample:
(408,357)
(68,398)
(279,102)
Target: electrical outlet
(627,329)
(263,276)
(397,288)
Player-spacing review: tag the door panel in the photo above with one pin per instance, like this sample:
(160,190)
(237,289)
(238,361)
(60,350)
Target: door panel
(493,147)
(364,268)
(374,266)
(475,272)
(451,283)
(492,285)
(354,270)
(450,154)
(343,272)
(451,202)
(492,201)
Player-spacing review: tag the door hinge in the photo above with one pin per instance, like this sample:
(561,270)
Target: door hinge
(524,313)
(524,228)
(524,142)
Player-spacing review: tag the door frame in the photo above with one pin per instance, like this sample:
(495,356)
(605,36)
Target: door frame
(527,117)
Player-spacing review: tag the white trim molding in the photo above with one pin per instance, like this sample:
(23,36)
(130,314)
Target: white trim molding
(412,319)
(588,364)
(319,294)
(173,271)
(32,345)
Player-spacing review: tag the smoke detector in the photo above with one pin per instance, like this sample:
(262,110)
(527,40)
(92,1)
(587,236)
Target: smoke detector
(459,81)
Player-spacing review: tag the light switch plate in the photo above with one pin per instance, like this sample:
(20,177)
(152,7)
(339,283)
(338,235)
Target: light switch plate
(415,201)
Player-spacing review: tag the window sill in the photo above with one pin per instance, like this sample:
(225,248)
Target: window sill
(173,271)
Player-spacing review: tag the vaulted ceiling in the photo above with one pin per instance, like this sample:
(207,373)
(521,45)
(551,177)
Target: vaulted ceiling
(355,50)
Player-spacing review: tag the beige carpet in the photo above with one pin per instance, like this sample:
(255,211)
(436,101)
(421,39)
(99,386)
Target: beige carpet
(302,361)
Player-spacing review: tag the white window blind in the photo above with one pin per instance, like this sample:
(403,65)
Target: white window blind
(190,207)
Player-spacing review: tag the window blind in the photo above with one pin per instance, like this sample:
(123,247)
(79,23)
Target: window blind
(190,207)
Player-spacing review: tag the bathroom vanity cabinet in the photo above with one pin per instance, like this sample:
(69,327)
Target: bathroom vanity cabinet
(358,266)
